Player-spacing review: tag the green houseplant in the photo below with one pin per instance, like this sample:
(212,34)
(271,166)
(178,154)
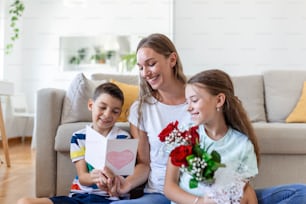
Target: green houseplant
(99,56)
(16,10)
(79,57)
(129,60)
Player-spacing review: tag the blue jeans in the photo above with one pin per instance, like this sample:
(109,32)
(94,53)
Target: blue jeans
(147,198)
(283,194)
(80,198)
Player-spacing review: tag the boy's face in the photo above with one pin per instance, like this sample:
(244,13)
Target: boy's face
(105,111)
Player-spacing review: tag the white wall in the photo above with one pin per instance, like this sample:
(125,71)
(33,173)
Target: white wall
(34,62)
(241,36)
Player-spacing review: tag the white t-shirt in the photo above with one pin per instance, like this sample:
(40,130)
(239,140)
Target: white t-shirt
(155,117)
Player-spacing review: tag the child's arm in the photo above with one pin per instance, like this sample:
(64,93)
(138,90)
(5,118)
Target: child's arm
(83,174)
(249,195)
(175,193)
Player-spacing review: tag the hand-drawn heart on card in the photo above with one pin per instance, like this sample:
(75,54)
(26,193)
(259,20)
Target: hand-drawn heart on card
(120,159)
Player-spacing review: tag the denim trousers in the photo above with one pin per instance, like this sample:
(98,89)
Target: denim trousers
(147,198)
(282,194)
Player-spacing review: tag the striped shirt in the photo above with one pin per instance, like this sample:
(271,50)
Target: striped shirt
(77,152)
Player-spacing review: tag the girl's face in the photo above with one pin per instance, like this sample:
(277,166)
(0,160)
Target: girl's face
(155,68)
(201,104)
(105,110)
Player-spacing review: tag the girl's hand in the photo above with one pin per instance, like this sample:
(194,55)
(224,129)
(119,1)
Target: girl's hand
(205,200)
(122,186)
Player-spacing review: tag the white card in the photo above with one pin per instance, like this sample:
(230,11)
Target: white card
(117,154)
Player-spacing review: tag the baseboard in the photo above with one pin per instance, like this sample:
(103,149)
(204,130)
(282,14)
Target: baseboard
(17,140)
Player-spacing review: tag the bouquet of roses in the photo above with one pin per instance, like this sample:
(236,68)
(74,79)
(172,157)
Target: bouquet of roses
(189,156)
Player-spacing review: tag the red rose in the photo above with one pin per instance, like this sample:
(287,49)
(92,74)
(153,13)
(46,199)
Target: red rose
(185,134)
(193,131)
(165,132)
(179,154)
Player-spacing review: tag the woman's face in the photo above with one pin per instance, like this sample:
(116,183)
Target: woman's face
(155,68)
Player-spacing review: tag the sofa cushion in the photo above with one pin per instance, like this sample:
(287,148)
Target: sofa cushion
(76,99)
(64,134)
(249,89)
(281,138)
(282,91)
(298,115)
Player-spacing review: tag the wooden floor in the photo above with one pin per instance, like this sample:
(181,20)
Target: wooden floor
(19,179)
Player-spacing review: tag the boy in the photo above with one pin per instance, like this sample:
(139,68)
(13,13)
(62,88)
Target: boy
(92,185)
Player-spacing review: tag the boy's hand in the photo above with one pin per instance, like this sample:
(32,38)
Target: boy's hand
(105,180)
(99,179)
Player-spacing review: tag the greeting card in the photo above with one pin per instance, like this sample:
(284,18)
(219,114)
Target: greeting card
(117,154)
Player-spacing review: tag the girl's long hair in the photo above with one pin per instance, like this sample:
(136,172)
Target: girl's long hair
(217,81)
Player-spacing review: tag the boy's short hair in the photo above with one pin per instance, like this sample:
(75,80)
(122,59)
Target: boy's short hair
(109,88)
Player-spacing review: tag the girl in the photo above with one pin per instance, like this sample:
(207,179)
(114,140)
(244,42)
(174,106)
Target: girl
(225,127)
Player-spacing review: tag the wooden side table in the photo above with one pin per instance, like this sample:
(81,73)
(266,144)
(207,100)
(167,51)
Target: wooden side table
(6,89)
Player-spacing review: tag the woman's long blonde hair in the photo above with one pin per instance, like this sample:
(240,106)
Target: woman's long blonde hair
(161,44)
(217,81)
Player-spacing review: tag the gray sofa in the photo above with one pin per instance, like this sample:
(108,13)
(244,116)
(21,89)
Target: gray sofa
(268,98)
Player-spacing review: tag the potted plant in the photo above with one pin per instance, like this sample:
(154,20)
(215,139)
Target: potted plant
(81,55)
(99,56)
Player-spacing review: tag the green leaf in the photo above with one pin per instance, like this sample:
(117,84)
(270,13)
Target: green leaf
(206,157)
(198,151)
(14,18)
(189,159)
(216,156)
(8,46)
(193,183)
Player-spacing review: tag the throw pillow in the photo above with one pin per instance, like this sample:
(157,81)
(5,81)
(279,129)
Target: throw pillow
(130,95)
(298,115)
(76,99)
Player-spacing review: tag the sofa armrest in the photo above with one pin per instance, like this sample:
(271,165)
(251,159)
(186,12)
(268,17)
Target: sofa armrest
(48,117)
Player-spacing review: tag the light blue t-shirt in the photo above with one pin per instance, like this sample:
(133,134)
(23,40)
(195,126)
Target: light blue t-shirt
(237,153)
